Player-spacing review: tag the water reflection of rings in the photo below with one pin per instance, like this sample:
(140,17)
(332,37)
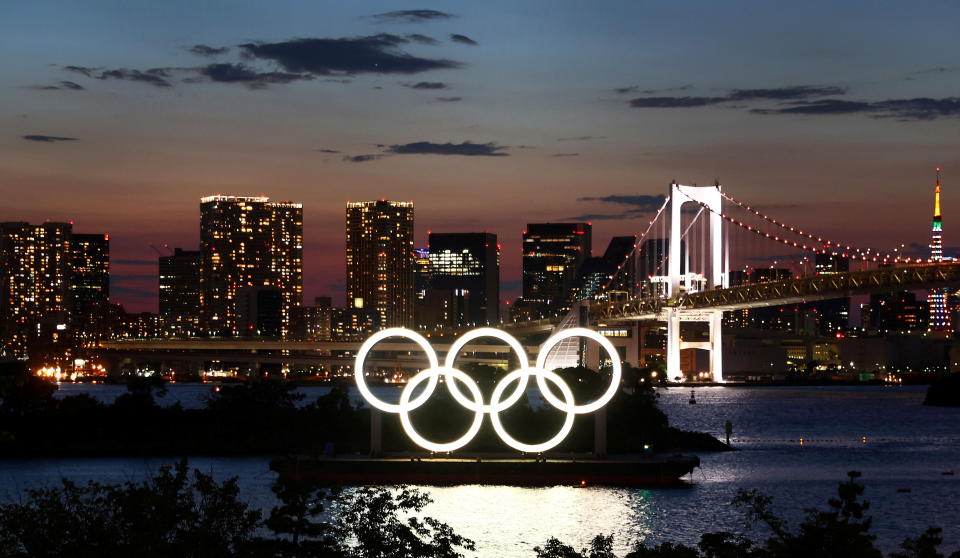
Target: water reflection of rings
(475,401)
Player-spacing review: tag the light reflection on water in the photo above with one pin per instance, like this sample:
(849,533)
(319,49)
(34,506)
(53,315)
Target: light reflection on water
(908,447)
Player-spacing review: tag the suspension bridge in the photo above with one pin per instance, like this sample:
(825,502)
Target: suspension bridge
(705,253)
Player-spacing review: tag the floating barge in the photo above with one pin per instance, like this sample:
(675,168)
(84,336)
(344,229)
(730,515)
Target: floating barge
(633,471)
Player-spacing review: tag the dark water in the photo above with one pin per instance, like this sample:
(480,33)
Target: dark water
(907,446)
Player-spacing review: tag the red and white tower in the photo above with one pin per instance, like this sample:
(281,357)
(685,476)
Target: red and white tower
(939,314)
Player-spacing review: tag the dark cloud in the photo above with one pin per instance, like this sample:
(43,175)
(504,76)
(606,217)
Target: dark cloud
(921,108)
(463,39)
(362,158)
(157,77)
(426,85)
(410,16)
(565,155)
(356,55)
(422,39)
(326,150)
(81,70)
(636,89)
(204,50)
(788,93)
(136,262)
(675,102)
(822,106)
(240,73)
(449,99)
(640,203)
(581,138)
(63,86)
(47,139)
(466,148)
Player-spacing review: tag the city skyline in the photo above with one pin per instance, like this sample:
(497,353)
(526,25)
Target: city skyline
(120,120)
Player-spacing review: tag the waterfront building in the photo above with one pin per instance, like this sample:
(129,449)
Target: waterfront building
(248,242)
(312,323)
(894,312)
(259,311)
(468,266)
(354,324)
(552,256)
(179,279)
(379,251)
(35,281)
(89,272)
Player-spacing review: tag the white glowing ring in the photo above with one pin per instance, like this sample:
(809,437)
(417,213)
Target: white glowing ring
(614,380)
(497,334)
(362,355)
(451,375)
(521,376)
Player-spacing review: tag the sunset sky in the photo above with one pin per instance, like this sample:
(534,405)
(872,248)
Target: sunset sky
(120,115)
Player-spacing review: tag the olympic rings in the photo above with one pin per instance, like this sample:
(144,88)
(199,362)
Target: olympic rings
(475,402)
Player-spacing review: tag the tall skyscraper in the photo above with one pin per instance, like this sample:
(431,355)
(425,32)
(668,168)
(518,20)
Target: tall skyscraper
(468,264)
(180,292)
(248,242)
(90,272)
(380,259)
(34,281)
(552,256)
(937,298)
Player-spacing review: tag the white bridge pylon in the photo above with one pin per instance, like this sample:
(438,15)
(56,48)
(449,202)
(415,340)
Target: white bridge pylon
(709,197)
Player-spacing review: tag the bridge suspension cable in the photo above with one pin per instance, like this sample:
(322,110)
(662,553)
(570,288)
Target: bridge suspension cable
(829,247)
(862,255)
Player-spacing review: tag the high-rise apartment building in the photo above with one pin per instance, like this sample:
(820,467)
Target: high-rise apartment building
(248,242)
(89,272)
(552,256)
(380,259)
(468,265)
(34,281)
(180,292)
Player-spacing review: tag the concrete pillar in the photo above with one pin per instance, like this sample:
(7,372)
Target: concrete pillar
(673,346)
(673,254)
(716,346)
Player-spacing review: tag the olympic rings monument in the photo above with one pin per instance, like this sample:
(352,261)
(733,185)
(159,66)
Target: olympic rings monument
(531,467)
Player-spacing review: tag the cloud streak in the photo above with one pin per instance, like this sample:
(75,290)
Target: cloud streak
(410,16)
(374,54)
(204,50)
(425,85)
(468,149)
(47,139)
(920,108)
(463,39)
(639,203)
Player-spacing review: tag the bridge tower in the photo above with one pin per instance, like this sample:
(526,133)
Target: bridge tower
(709,197)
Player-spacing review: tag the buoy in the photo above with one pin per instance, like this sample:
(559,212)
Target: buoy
(693,398)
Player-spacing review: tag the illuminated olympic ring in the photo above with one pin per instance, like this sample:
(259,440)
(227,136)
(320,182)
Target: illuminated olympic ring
(475,401)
